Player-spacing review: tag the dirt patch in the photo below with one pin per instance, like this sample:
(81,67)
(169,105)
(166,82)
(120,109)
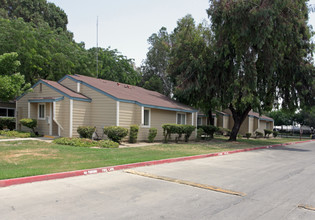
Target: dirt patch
(18,156)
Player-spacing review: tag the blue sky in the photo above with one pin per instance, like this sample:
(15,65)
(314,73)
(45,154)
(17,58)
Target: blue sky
(126,25)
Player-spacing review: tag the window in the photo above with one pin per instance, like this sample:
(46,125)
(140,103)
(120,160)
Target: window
(146,117)
(41,111)
(181,119)
(7,112)
(199,121)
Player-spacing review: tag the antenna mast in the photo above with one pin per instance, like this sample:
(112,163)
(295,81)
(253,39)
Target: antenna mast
(97,47)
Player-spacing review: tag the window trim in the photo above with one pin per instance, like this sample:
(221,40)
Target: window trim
(38,113)
(149,125)
(198,117)
(181,113)
(7,112)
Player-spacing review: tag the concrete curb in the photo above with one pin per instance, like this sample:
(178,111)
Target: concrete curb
(30,179)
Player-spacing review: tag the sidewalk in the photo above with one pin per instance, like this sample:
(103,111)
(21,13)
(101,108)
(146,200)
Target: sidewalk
(49,140)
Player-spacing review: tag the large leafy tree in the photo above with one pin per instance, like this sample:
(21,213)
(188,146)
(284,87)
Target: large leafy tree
(264,53)
(12,84)
(191,65)
(154,68)
(112,65)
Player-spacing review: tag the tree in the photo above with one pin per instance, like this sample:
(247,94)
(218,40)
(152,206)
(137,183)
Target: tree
(264,53)
(157,61)
(113,66)
(12,84)
(191,64)
(305,117)
(281,117)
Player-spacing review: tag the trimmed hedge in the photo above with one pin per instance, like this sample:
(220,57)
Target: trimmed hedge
(20,134)
(8,123)
(116,133)
(267,132)
(258,134)
(169,129)
(86,131)
(275,133)
(152,134)
(83,142)
(248,135)
(30,123)
(209,130)
(133,133)
(200,132)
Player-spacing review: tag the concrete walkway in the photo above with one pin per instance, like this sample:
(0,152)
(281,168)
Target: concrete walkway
(49,140)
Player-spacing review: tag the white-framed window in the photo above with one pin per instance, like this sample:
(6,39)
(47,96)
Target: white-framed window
(181,118)
(146,117)
(7,112)
(41,111)
(199,121)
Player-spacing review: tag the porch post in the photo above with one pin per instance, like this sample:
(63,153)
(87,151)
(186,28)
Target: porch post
(71,122)
(50,118)
(28,110)
(117,113)
(142,114)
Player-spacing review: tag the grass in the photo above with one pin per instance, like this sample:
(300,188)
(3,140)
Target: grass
(27,158)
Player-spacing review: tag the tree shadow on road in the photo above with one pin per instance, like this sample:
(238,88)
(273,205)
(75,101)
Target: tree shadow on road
(289,149)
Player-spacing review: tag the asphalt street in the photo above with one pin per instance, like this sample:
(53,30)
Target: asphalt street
(274,181)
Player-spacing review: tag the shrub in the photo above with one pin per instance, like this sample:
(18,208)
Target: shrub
(107,144)
(258,134)
(188,130)
(133,133)
(239,136)
(84,142)
(275,133)
(20,134)
(115,133)
(8,123)
(248,135)
(209,130)
(86,131)
(200,132)
(78,142)
(30,123)
(169,129)
(152,134)
(267,132)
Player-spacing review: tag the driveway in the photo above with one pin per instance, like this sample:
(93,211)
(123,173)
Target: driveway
(274,183)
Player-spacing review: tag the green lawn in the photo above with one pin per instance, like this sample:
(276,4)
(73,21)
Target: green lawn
(27,158)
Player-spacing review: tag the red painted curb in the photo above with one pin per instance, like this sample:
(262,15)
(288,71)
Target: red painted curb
(29,179)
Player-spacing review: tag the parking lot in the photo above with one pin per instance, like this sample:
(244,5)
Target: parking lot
(272,183)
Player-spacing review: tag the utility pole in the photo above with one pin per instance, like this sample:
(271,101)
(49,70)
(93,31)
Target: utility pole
(97,47)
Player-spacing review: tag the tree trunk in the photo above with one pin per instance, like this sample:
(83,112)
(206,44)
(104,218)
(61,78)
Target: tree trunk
(238,117)
(210,118)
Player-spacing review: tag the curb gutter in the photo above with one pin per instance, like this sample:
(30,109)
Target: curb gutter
(30,179)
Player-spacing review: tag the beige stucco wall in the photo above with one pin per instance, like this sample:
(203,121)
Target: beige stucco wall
(69,84)
(251,125)
(22,107)
(102,109)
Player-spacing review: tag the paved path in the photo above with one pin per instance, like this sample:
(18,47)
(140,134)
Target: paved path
(275,182)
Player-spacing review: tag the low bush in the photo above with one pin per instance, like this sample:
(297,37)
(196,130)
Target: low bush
(169,129)
(30,123)
(248,135)
(258,134)
(19,134)
(86,131)
(7,123)
(209,130)
(115,133)
(188,130)
(152,134)
(133,133)
(200,132)
(239,136)
(275,133)
(267,132)
(107,144)
(84,142)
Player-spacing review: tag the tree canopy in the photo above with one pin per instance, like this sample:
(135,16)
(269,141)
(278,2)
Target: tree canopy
(12,84)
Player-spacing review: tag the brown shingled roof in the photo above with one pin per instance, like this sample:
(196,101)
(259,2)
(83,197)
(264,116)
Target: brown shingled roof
(63,89)
(132,93)
(256,114)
